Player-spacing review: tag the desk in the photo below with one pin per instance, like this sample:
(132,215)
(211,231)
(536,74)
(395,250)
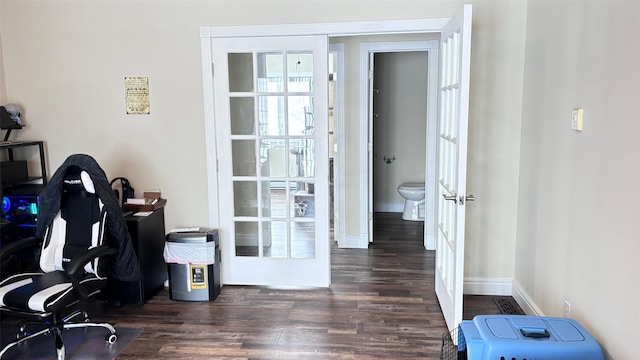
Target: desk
(148,237)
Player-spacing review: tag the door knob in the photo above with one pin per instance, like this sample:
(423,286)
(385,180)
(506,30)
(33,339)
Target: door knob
(459,199)
(453,197)
(466,198)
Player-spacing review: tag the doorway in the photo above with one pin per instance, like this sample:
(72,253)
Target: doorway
(424,58)
(399,126)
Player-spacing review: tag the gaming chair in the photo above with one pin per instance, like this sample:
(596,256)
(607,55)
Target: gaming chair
(76,256)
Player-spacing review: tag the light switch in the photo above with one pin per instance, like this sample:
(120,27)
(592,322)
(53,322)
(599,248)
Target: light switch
(576,119)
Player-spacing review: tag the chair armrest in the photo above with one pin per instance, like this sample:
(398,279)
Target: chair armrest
(81,260)
(17,245)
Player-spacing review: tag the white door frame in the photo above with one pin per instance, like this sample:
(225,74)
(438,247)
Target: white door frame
(356,28)
(367,49)
(339,160)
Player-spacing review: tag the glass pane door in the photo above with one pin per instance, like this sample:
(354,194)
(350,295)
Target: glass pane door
(271,101)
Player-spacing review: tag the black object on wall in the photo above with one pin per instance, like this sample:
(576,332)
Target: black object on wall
(127,190)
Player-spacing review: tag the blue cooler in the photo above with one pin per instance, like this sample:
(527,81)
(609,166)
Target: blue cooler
(526,337)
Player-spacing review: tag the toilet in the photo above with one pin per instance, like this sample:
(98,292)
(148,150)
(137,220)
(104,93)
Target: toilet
(413,193)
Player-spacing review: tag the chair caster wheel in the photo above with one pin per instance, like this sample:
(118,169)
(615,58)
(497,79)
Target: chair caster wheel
(22,331)
(111,339)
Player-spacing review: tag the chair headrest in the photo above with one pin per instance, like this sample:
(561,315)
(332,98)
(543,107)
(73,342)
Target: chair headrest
(76,180)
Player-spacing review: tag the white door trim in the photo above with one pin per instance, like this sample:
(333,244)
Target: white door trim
(350,28)
(366,131)
(339,177)
(211,147)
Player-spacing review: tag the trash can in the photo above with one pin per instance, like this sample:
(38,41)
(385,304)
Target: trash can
(193,261)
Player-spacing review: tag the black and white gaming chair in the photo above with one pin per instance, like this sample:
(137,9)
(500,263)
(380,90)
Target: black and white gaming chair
(74,260)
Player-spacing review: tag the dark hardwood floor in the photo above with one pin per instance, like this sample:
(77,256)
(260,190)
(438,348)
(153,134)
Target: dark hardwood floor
(381,305)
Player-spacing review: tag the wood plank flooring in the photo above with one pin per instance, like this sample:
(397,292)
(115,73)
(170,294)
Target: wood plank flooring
(381,305)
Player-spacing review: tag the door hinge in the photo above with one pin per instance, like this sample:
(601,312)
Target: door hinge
(370,147)
(370,74)
(370,216)
(212,69)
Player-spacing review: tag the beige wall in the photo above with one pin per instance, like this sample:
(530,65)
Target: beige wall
(578,235)
(3,90)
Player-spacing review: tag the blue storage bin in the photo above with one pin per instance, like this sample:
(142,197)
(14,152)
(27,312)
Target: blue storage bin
(495,337)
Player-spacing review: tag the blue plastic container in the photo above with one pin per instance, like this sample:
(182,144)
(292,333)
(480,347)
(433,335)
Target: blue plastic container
(494,337)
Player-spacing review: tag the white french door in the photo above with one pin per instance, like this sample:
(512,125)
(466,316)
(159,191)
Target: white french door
(270,96)
(455,61)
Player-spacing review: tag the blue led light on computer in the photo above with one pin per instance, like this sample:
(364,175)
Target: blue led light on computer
(33,209)
(6,204)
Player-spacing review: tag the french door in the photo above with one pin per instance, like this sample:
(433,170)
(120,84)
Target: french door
(270,96)
(453,120)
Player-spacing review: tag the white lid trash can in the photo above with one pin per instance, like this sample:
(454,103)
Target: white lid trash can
(193,260)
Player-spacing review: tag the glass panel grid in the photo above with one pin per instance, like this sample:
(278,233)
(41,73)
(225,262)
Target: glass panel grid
(277,218)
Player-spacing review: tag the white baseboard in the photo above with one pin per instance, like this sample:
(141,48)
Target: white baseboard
(431,242)
(525,301)
(487,286)
(353,242)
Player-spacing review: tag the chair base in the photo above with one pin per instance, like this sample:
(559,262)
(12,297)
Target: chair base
(56,330)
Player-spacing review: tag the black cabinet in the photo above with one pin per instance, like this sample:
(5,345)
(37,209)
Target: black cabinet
(148,236)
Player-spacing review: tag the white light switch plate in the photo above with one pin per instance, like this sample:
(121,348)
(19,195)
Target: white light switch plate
(576,119)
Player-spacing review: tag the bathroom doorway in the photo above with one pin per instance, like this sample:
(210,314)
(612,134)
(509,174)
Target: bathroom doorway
(399,126)
(399,83)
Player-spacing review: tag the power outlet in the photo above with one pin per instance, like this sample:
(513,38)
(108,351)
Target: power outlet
(567,309)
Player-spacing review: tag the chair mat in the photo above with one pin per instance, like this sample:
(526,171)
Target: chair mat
(85,344)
